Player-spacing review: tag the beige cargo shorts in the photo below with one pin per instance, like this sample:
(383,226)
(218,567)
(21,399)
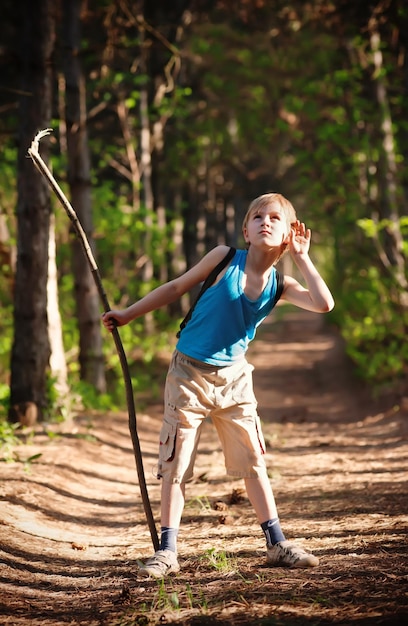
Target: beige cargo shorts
(195,391)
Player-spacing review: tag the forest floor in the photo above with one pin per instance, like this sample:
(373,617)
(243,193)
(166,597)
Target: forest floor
(72,526)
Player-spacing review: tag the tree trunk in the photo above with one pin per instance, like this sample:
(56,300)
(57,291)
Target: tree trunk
(92,368)
(146,180)
(176,257)
(58,362)
(31,348)
(195,225)
(388,205)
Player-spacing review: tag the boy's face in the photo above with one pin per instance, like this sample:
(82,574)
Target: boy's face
(267,227)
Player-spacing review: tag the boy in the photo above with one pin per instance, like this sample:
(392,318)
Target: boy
(209,374)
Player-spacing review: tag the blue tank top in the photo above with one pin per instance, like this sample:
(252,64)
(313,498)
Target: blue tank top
(225,320)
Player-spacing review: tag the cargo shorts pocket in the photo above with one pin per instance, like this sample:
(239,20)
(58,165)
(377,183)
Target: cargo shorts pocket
(242,388)
(167,441)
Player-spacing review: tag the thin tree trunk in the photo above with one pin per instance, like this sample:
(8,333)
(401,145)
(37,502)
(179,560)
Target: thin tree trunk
(134,173)
(195,225)
(387,167)
(92,366)
(177,260)
(58,362)
(146,180)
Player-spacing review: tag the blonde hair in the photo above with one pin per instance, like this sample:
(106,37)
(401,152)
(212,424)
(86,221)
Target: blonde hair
(265,200)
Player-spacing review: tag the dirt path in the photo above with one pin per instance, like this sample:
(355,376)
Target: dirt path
(72,523)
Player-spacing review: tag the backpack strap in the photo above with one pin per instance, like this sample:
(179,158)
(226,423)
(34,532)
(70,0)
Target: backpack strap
(207,283)
(280,279)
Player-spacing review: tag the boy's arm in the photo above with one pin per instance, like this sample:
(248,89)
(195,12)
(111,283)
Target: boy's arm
(316,296)
(166,293)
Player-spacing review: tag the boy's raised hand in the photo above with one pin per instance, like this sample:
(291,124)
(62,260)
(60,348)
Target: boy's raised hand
(299,238)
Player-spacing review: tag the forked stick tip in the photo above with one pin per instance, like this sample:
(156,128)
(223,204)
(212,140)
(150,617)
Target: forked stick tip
(37,139)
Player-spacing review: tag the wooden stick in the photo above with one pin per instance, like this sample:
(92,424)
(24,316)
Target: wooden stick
(33,152)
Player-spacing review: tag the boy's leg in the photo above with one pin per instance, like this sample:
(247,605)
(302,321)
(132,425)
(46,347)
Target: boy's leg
(186,406)
(261,497)
(172,503)
(279,550)
(164,561)
(240,432)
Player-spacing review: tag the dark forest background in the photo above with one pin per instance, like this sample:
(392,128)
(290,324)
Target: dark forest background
(168,118)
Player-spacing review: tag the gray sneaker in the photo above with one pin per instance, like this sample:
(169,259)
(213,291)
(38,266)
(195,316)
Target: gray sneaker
(287,554)
(162,562)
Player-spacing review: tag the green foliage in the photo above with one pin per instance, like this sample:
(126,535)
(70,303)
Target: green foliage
(8,436)
(6,339)
(8,440)
(220,560)
(89,398)
(8,200)
(8,190)
(372,313)
(280,102)
(165,599)
(374,325)
(202,502)
(373,229)
(147,368)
